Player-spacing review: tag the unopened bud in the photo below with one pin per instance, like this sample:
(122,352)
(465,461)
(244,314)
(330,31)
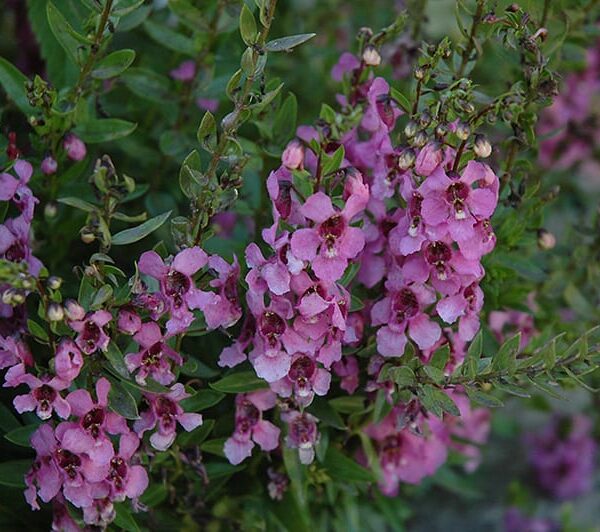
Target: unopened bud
(74,310)
(7,296)
(482,147)
(87,236)
(546,240)
(441,131)
(425,119)
(18,297)
(410,130)
(513,8)
(540,34)
(463,131)
(420,139)
(55,312)
(406,159)
(54,282)
(50,210)
(371,56)
(419,73)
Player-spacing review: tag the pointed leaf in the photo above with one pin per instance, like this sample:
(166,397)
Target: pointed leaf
(128,236)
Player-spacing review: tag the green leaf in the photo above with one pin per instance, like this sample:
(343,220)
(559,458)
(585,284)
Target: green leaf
(189,15)
(202,400)
(126,7)
(78,203)
(116,360)
(303,182)
(68,38)
(124,519)
(121,401)
(154,495)
(321,409)
(350,273)
(207,132)
(483,398)
(22,435)
(196,436)
(170,39)
(214,446)
(13,473)
(13,82)
(37,330)
(348,404)
(442,400)
(284,126)
(245,381)
(403,376)
(512,389)
(103,294)
(8,421)
(333,163)
(473,355)
(345,469)
(147,84)
(400,99)
(435,374)
(104,130)
(505,358)
(114,64)
(247,26)
(286,44)
(129,236)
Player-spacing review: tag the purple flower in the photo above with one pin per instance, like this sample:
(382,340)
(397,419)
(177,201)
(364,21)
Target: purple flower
(303,381)
(515,521)
(186,71)
(15,243)
(428,159)
(250,428)
(346,64)
(293,155)
(164,413)
(128,320)
(124,479)
(348,371)
(68,360)
(49,165)
(466,305)
(332,241)
(176,283)
(402,311)
(44,397)
(16,190)
(302,434)
(153,359)
(91,334)
(74,147)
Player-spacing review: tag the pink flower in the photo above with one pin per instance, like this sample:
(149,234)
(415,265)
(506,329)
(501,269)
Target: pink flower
(68,360)
(186,71)
(428,159)
(466,305)
(44,397)
(164,413)
(347,370)
(92,335)
(332,241)
(49,165)
(250,428)
(346,64)
(302,434)
(176,283)
(304,380)
(16,190)
(293,155)
(400,311)
(128,320)
(74,147)
(153,359)
(126,480)
(208,104)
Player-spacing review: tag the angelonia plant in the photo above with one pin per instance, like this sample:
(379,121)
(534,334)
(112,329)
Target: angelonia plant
(333,309)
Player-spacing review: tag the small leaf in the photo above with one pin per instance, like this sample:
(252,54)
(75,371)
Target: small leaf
(284,126)
(171,39)
(345,469)
(124,520)
(68,38)
(286,44)
(442,399)
(245,381)
(214,446)
(147,84)
(78,203)
(400,99)
(103,294)
(403,376)
(122,402)
(247,26)
(37,330)
(202,400)
(303,182)
(114,64)
(117,361)
(483,398)
(13,473)
(104,130)
(207,131)
(505,358)
(129,236)
(333,163)
(517,391)
(196,436)
(189,15)
(321,409)
(435,374)
(13,82)
(22,435)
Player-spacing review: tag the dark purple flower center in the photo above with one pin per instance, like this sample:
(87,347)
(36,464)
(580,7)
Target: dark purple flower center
(332,229)
(283,203)
(247,416)
(91,334)
(45,396)
(391,450)
(93,420)
(272,326)
(456,194)
(17,252)
(230,289)
(303,430)
(166,410)
(405,305)
(386,225)
(153,355)
(283,250)
(385,109)
(68,461)
(438,253)
(302,370)
(118,472)
(176,286)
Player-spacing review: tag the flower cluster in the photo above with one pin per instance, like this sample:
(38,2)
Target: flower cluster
(563,456)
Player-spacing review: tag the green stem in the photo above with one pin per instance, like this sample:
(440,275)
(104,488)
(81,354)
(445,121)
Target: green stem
(466,55)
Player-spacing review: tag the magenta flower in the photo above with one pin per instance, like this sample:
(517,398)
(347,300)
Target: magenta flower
(15,243)
(126,480)
(92,335)
(68,360)
(453,201)
(16,190)
(348,371)
(74,147)
(332,241)
(222,308)
(293,155)
(402,311)
(44,478)
(186,71)
(302,434)
(346,64)
(466,305)
(49,165)
(428,159)
(164,413)
(303,381)
(176,283)
(154,358)
(128,320)
(44,397)
(250,427)
(90,434)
